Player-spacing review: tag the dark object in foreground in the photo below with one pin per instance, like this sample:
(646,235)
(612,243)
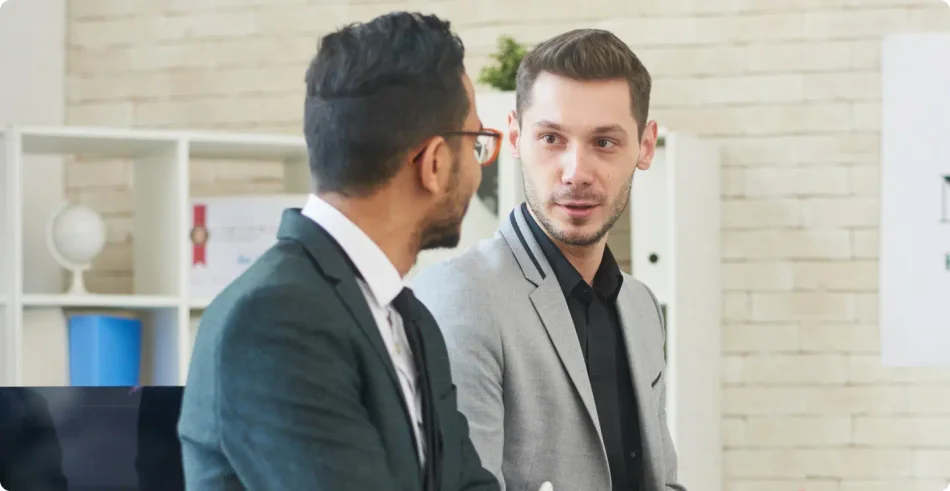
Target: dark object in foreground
(90,438)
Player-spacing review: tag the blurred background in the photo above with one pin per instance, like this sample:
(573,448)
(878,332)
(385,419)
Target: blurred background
(788,91)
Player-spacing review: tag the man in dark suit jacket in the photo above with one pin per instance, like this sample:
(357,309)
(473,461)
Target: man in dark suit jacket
(317,369)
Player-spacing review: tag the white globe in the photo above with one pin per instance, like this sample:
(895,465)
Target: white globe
(77,235)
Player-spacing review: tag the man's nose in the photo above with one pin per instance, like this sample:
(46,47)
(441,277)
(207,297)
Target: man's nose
(576,168)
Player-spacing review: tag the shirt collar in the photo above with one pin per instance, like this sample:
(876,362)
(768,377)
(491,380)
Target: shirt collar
(378,271)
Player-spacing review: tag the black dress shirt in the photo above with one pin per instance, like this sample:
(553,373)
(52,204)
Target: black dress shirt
(600,334)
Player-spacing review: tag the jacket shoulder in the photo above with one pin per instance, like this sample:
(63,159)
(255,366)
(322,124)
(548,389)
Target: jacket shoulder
(482,264)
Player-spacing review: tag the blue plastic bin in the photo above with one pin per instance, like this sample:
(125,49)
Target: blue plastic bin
(104,350)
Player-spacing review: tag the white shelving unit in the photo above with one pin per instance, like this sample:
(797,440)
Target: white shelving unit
(161,163)
(675,250)
(161,247)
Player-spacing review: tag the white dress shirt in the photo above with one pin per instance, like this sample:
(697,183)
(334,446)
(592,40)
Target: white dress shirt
(380,284)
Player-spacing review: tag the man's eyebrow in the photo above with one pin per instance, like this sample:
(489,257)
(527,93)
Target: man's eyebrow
(548,124)
(610,128)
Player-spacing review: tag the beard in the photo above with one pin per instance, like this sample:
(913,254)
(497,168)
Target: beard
(578,239)
(444,231)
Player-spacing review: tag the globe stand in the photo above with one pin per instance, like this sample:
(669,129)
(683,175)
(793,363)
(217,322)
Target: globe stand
(78,284)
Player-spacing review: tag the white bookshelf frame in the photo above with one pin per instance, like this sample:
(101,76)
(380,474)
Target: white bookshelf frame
(676,250)
(162,222)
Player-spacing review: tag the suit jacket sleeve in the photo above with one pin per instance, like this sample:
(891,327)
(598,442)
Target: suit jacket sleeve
(289,400)
(669,450)
(466,316)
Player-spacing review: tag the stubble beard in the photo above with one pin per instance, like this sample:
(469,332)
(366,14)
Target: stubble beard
(445,231)
(618,207)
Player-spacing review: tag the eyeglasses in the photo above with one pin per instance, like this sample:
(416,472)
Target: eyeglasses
(487,144)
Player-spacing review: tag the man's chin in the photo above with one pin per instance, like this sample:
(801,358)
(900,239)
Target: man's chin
(447,241)
(571,234)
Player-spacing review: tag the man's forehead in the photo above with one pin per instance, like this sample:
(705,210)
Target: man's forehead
(550,85)
(608,94)
(579,106)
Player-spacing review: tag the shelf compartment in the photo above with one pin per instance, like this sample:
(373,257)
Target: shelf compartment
(154,207)
(45,335)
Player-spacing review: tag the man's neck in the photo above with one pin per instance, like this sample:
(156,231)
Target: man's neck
(385,224)
(585,259)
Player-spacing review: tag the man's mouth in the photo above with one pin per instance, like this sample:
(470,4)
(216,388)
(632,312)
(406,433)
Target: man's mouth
(578,210)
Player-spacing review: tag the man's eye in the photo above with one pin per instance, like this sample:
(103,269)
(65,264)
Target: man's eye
(604,143)
(549,139)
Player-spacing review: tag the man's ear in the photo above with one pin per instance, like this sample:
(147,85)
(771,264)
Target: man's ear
(432,160)
(648,145)
(514,135)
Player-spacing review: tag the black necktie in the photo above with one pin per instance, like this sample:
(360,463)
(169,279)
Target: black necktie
(403,304)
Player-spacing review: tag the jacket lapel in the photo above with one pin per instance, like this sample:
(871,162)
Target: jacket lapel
(336,267)
(635,316)
(548,301)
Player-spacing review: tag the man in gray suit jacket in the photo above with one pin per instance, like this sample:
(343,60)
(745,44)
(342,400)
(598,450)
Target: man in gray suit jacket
(558,355)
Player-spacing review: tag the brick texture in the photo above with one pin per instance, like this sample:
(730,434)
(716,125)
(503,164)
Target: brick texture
(788,90)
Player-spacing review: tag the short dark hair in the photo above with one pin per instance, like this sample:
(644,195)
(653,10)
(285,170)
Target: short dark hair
(375,90)
(586,54)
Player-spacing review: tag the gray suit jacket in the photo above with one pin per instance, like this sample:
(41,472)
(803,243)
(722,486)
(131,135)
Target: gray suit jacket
(520,372)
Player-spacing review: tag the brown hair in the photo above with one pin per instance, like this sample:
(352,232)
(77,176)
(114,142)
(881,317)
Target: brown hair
(587,54)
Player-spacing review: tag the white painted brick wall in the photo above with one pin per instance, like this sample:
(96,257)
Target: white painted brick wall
(788,89)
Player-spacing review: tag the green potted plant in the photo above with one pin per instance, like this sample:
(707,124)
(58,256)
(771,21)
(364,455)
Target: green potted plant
(503,73)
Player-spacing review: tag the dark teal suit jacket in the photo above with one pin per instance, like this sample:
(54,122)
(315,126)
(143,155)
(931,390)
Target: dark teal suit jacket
(291,388)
